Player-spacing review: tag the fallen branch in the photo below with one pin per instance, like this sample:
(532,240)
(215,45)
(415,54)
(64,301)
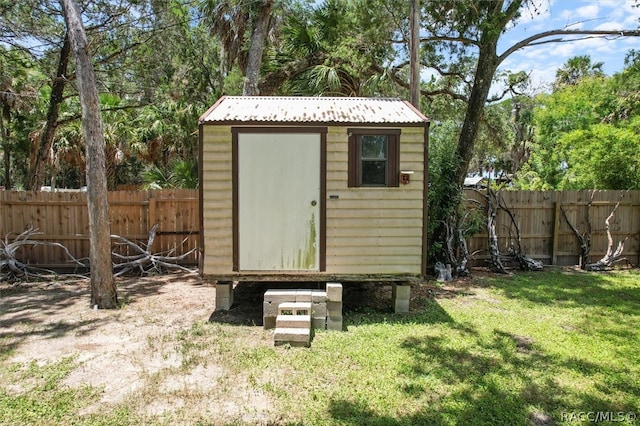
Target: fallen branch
(611,257)
(457,250)
(584,239)
(11,268)
(515,249)
(144,262)
(494,249)
(457,231)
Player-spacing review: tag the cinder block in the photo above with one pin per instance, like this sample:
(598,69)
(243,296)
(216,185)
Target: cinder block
(318,296)
(292,336)
(279,296)
(334,323)
(319,310)
(294,308)
(401,292)
(293,321)
(334,309)
(319,323)
(334,292)
(303,296)
(401,306)
(224,289)
(401,295)
(223,303)
(269,322)
(269,309)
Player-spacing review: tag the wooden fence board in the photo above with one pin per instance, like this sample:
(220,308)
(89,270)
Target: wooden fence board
(62,217)
(546,235)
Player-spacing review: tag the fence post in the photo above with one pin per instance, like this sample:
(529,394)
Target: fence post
(556,230)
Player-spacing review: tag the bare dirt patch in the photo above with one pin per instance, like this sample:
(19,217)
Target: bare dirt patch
(131,353)
(43,321)
(138,356)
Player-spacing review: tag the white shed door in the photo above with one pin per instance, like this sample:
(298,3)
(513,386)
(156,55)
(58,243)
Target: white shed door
(279,201)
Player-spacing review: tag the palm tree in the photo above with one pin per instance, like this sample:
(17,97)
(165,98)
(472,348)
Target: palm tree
(18,92)
(179,173)
(235,22)
(576,69)
(68,156)
(331,51)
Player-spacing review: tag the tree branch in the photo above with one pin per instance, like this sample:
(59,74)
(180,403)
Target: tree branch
(584,239)
(79,116)
(459,39)
(611,256)
(404,84)
(146,262)
(533,40)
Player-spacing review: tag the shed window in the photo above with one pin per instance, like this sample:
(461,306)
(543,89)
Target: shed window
(373,157)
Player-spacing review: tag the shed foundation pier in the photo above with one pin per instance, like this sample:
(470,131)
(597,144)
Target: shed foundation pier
(224,295)
(400,297)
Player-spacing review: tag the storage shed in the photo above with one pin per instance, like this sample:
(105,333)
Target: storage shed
(313,189)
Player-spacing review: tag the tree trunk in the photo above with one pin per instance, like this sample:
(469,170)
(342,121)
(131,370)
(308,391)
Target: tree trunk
(255,51)
(5,137)
(103,289)
(485,69)
(38,161)
(487,64)
(499,15)
(7,166)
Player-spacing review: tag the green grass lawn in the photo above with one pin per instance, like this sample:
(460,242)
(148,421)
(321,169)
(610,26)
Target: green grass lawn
(512,350)
(542,348)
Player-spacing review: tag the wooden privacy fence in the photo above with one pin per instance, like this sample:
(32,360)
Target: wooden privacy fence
(62,217)
(545,233)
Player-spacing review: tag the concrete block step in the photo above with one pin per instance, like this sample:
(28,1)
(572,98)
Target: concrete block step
(318,296)
(303,295)
(292,336)
(294,308)
(293,321)
(299,295)
(280,296)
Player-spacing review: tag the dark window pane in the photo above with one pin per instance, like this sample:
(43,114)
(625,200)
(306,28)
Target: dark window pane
(374,146)
(374,173)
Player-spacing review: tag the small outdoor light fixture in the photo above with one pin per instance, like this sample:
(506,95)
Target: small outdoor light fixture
(405,176)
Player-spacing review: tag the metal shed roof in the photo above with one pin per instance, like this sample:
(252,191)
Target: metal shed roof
(297,109)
